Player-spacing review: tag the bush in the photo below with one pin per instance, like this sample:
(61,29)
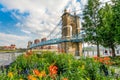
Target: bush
(52,66)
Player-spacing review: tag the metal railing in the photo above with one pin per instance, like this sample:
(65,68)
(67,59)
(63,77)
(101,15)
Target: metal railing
(75,38)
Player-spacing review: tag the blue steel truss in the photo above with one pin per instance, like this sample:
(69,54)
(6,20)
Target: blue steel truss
(75,38)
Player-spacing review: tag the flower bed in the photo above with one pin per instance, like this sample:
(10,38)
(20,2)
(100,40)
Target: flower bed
(52,66)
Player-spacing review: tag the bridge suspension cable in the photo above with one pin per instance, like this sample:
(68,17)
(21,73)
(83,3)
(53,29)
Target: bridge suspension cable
(59,23)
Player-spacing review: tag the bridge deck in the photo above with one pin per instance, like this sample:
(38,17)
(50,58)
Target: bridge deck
(56,41)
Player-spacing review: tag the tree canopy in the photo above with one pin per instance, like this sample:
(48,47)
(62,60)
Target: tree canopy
(104,22)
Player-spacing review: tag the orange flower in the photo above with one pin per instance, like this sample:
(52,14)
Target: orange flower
(36,72)
(53,70)
(65,79)
(25,55)
(29,52)
(101,60)
(106,62)
(106,58)
(96,58)
(30,77)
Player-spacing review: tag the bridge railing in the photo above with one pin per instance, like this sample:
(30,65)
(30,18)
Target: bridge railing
(74,38)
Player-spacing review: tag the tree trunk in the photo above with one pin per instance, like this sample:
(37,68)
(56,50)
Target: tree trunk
(113,51)
(98,50)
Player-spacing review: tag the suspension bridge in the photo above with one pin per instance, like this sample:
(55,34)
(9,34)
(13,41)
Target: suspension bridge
(70,37)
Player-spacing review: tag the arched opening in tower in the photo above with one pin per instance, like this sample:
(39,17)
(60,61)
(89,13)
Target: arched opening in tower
(70,31)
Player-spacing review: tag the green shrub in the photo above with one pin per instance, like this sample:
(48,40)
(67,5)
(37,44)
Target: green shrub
(67,67)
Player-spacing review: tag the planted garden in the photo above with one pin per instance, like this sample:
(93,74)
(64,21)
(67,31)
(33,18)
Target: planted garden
(52,66)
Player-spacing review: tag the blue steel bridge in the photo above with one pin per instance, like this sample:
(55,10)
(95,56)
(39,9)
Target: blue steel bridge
(76,38)
(57,38)
(70,36)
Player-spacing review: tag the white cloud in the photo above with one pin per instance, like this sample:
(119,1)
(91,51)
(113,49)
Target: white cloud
(43,14)
(7,39)
(43,17)
(40,10)
(27,32)
(46,11)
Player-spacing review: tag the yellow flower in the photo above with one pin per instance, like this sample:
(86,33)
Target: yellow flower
(33,78)
(42,74)
(83,67)
(10,74)
(21,79)
(30,77)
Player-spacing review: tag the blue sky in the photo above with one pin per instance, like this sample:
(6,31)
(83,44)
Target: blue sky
(24,20)
(8,21)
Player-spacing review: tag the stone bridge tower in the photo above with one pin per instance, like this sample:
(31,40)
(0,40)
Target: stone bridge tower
(70,27)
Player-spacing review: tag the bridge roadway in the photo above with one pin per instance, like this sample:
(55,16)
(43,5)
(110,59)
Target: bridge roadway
(57,41)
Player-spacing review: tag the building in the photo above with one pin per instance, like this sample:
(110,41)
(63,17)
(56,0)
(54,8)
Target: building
(11,47)
(29,43)
(36,41)
(42,40)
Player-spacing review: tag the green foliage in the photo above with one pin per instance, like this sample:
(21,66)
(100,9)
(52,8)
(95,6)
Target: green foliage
(91,20)
(91,23)
(107,29)
(116,61)
(116,10)
(68,67)
(104,21)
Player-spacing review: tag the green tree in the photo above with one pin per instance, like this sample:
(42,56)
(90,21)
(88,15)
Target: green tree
(116,10)
(107,29)
(91,22)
